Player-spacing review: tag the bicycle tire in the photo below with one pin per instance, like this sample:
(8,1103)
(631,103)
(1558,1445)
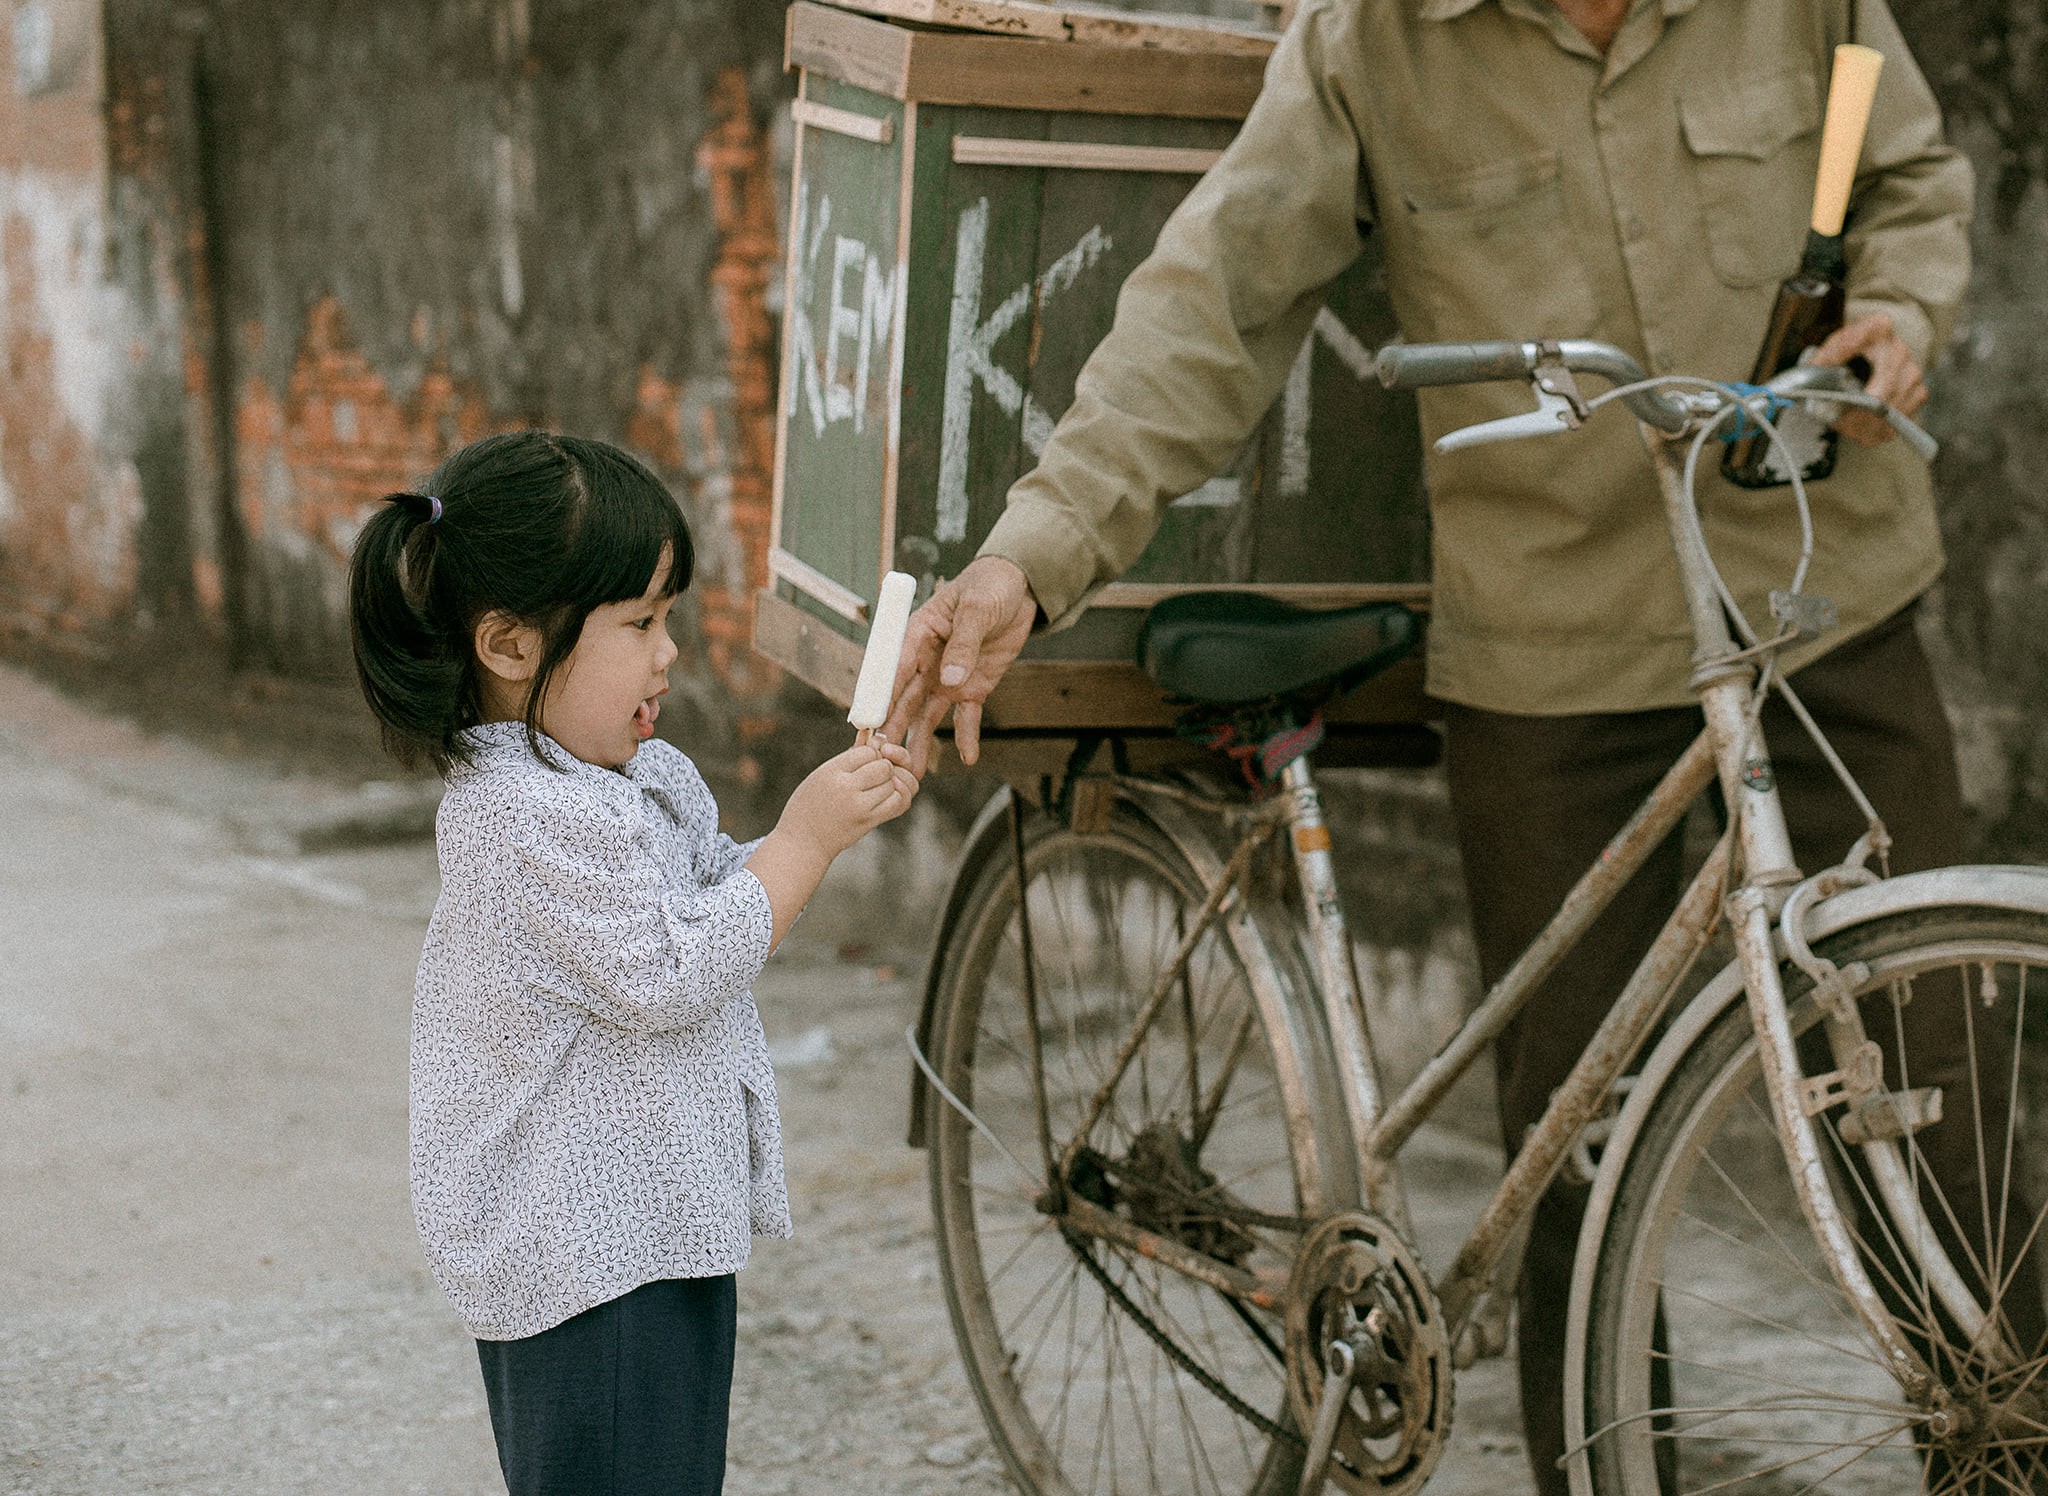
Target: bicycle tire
(1707,1269)
(1122,1404)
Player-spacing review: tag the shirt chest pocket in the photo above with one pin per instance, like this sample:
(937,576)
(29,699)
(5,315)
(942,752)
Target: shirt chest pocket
(1752,147)
(1489,254)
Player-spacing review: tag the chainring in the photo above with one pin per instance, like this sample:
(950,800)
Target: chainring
(1355,1277)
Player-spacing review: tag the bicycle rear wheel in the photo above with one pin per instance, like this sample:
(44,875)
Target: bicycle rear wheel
(1098,1369)
(1708,1275)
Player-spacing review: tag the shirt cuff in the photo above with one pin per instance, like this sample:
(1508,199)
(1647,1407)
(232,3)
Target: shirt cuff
(1041,539)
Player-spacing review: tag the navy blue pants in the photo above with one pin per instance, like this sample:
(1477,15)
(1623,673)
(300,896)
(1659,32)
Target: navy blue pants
(628,1399)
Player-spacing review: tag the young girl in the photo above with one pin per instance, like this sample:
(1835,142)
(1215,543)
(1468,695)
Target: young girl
(594,1133)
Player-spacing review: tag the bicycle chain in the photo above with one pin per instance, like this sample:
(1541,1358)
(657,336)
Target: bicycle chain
(1174,1353)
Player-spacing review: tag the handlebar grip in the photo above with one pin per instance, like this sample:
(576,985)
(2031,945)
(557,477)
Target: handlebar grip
(1409,366)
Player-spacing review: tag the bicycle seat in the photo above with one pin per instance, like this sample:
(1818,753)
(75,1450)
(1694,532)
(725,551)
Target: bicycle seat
(1224,648)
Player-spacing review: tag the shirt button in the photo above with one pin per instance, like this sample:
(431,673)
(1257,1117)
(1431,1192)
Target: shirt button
(1632,228)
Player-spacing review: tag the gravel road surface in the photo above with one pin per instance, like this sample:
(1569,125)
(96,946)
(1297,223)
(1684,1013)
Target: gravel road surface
(208,1275)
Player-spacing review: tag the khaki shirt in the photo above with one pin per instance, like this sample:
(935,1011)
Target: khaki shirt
(1525,187)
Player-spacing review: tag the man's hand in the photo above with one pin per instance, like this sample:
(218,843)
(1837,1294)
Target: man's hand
(958,647)
(1895,375)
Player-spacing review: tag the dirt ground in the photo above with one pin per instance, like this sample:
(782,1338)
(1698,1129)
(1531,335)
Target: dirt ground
(208,1275)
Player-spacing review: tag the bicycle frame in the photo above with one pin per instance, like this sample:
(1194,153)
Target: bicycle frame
(1731,750)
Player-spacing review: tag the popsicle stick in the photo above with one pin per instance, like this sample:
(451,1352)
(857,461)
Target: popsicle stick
(1850,94)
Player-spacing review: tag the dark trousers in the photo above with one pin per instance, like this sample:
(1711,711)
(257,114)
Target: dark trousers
(628,1399)
(1535,799)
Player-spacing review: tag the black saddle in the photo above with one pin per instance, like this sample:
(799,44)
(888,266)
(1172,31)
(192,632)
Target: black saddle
(1228,648)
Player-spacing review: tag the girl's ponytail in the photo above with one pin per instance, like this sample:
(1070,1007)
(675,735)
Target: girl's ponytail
(412,665)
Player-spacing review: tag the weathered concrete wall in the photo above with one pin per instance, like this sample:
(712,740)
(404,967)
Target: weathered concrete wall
(265,264)
(1988,59)
(262,263)
(69,482)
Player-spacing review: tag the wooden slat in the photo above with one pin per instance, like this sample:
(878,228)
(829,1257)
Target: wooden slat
(892,442)
(998,17)
(827,662)
(843,121)
(1066,695)
(1053,695)
(952,68)
(1083,23)
(1308,594)
(777,493)
(1101,26)
(1000,72)
(1080,155)
(813,583)
(868,54)
(1025,760)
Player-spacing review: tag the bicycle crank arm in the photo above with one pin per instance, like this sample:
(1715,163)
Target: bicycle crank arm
(1340,1365)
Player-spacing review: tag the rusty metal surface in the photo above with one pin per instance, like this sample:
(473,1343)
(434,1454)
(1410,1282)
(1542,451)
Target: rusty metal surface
(1777,1054)
(1620,1035)
(1163,985)
(1645,830)
(1337,980)
(1263,1290)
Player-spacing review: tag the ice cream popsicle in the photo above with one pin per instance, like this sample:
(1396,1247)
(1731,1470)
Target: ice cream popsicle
(885,645)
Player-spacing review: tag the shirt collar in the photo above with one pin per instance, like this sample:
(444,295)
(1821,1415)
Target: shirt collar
(501,745)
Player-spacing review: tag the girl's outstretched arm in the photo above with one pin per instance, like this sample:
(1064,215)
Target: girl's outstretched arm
(839,802)
(601,928)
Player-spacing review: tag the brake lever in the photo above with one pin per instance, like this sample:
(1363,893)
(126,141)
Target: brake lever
(1559,406)
(1553,413)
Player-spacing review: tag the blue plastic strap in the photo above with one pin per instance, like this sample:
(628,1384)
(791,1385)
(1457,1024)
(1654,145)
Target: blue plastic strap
(1745,427)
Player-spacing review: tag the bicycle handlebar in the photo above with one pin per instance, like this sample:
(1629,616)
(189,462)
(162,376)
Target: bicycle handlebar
(1408,366)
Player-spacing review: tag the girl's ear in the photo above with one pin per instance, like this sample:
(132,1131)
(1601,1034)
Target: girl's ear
(507,648)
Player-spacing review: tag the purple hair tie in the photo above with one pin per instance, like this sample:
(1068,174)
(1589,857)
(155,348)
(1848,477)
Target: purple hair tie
(436,512)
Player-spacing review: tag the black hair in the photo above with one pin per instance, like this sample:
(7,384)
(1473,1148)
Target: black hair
(542,527)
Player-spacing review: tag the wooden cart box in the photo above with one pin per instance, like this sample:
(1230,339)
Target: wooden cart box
(965,207)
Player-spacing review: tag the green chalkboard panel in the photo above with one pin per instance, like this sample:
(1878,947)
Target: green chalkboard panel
(954,263)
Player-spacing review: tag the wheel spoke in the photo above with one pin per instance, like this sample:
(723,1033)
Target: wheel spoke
(1191,1130)
(1774,1385)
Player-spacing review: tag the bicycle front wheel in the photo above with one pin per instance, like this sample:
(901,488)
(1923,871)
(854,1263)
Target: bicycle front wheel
(1720,1354)
(1097,1368)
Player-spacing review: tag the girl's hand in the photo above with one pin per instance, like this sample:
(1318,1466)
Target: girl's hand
(839,802)
(849,795)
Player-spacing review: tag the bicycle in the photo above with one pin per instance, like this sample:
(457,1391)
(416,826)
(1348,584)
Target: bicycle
(1165,1175)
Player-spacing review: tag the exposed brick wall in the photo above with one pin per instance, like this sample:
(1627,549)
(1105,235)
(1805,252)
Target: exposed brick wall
(736,160)
(318,459)
(354,236)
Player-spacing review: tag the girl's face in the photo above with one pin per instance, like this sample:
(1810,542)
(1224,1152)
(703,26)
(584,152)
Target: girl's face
(602,702)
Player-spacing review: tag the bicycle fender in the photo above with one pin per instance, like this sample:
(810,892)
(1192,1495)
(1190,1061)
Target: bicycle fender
(988,837)
(2011,887)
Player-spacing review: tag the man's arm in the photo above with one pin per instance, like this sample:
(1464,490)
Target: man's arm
(1205,331)
(1908,240)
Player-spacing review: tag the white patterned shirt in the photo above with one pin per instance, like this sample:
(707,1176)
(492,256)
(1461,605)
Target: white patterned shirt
(592,1104)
